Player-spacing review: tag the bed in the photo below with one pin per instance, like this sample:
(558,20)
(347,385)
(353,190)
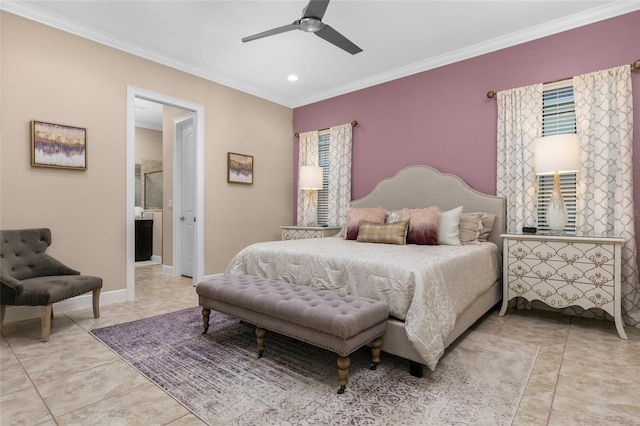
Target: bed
(435,293)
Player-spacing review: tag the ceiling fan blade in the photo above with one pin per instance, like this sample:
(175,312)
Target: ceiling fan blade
(332,36)
(274,31)
(315,9)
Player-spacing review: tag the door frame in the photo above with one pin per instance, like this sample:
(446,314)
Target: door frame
(134,92)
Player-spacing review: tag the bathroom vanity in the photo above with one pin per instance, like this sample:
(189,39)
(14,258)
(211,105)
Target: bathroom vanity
(144,239)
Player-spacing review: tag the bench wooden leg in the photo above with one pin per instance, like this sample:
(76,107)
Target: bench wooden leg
(343,372)
(3,310)
(375,353)
(205,319)
(96,303)
(260,333)
(46,322)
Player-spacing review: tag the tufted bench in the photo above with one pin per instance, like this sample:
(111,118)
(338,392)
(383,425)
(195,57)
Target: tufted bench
(322,318)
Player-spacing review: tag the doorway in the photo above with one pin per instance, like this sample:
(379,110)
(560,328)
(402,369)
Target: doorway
(197,189)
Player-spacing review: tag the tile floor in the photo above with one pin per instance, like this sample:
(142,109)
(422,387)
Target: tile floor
(584,374)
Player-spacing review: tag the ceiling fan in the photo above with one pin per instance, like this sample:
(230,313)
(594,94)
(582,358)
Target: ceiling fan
(311,22)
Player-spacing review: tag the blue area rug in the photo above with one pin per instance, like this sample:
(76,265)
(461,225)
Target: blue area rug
(218,376)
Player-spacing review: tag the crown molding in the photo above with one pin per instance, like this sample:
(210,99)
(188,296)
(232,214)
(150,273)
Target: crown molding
(600,13)
(549,28)
(149,126)
(33,13)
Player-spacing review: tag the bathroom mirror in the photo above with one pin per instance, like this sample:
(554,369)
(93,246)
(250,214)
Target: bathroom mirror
(153,190)
(148,184)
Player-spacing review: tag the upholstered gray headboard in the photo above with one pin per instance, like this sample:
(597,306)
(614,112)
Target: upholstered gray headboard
(424,186)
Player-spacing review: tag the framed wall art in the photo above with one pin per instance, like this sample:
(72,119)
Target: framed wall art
(239,168)
(57,145)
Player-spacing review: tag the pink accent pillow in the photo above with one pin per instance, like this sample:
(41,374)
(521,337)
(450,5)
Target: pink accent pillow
(423,225)
(355,215)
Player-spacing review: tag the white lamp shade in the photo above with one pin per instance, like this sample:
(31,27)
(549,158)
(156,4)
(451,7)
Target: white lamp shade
(557,153)
(310,177)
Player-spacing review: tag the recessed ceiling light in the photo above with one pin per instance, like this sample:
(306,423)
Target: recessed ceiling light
(292,77)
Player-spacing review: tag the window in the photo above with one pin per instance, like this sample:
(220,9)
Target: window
(323,161)
(558,117)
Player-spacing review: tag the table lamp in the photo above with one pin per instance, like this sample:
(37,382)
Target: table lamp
(554,155)
(310,179)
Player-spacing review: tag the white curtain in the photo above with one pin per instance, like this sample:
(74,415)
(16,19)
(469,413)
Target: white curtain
(604,117)
(339,185)
(519,125)
(307,156)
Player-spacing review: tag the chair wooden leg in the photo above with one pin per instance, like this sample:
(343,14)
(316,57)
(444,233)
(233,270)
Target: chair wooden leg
(46,322)
(96,303)
(3,309)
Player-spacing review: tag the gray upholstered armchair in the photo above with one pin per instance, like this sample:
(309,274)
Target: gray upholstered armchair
(31,277)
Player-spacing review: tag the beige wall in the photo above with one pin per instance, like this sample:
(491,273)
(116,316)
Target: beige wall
(57,77)
(148,144)
(157,233)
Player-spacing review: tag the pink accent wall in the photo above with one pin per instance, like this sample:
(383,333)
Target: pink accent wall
(443,118)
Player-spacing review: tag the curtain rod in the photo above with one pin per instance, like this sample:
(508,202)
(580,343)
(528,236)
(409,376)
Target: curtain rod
(634,67)
(354,123)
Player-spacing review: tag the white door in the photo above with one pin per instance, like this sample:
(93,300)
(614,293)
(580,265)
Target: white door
(187,205)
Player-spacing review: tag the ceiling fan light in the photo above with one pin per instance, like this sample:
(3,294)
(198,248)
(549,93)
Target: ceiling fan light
(292,77)
(310,25)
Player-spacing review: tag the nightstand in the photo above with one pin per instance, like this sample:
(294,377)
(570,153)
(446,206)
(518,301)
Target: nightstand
(564,271)
(291,232)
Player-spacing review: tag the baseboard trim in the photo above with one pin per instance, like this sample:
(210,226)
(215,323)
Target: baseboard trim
(157,259)
(167,270)
(84,301)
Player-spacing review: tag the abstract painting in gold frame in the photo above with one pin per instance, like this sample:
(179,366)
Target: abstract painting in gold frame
(57,145)
(239,168)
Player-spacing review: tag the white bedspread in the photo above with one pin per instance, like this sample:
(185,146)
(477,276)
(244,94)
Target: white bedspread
(426,286)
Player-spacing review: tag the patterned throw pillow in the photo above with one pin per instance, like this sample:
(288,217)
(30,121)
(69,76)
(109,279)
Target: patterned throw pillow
(355,215)
(387,233)
(470,227)
(423,225)
(487,225)
(392,216)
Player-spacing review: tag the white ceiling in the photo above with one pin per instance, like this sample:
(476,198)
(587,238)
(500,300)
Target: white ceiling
(399,38)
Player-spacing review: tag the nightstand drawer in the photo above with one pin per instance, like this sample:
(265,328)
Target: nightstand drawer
(304,232)
(294,234)
(560,294)
(567,252)
(586,273)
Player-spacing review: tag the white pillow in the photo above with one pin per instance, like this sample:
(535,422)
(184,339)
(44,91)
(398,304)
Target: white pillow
(448,223)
